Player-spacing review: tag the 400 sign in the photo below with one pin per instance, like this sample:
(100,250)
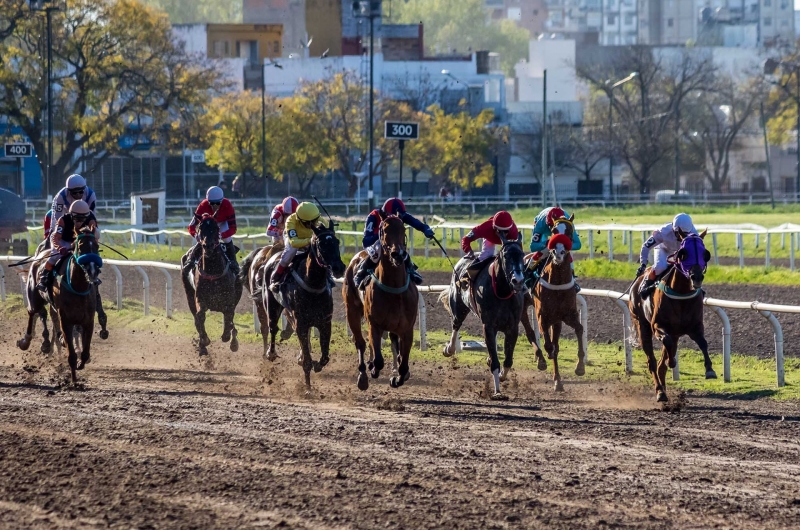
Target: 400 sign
(19,150)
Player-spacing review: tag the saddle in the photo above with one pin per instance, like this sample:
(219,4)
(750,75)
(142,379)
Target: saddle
(473,269)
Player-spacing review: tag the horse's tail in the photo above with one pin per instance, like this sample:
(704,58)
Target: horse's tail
(244,271)
(444,298)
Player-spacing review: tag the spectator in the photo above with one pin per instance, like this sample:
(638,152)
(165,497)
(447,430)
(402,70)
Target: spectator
(236,186)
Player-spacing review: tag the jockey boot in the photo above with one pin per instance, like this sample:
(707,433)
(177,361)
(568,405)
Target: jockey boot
(230,253)
(191,258)
(646,288)
(577,287)
(45,277)
(331,280)
(277,278)
(363,272)
(415,276)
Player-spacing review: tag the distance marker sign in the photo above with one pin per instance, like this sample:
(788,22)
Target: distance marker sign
(401,131)
(19,150)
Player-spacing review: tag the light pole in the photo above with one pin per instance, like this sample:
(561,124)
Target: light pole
(788,69)
(263,127)
(47,8)
(371,10)
(457,80)
(611,128)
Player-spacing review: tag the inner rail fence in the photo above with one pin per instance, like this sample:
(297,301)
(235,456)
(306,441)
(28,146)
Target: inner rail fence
(598,239)
(718,306)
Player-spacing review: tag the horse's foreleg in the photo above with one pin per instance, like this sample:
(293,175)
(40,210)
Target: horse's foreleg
(263,321)
(490,337)
(25,342)
(556,331)
(304,359)
(87,329)
(234,334)
(533,339)
(375,365)
(668,343)
(699,338)
(574,321)
(227,324)
(102,318)
(460,312)
(274,310)
(200,325)
(404,344)
(354,314)
(47,346)
(646,338)
(72,356)
(509,343)
(324,346)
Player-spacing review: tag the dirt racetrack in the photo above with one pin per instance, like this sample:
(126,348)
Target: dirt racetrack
(159,439)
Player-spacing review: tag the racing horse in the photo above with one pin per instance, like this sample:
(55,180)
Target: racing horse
(497,298)
(555,300)
(251,275)
(390,303)
(306,295)
(674,309)
(73,299)
(211,285)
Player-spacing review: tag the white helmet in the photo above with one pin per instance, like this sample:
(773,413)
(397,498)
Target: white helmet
(214,194)
(683,222)
(79,208)
(75,182)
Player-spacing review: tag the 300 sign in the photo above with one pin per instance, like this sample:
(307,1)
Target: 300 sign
(401,131)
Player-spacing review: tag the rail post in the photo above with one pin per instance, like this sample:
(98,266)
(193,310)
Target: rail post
(610,245)
(584,313)
(117,284)
(591,244)
(145,290)
(676,370)
(778,335)
(461,237)
(626,335)
(726,343)
(2,284)
(714,244)
(423,324)
(766,254)
(791,252)
(168,296)
(630,246)
(740,244)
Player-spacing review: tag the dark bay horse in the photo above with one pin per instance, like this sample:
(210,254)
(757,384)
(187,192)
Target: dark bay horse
(555,301)
(390,303)
(74,299)
(307,295)
(497,298)
(674,309)
(251,275)
(212,286)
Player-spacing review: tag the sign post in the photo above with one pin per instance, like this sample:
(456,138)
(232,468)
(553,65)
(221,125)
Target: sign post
(401,131)
(19,151)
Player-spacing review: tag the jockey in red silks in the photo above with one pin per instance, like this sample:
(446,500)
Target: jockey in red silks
(221,209)
(277,220)
(491,230)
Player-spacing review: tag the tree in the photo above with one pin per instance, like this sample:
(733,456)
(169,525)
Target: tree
(117,69)
(462,26)
(648,108)
(714,120)
(184,12)
(11,13)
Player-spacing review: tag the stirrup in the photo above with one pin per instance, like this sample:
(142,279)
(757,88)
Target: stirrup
(416,278)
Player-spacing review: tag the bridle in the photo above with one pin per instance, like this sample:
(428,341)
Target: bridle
(381,232)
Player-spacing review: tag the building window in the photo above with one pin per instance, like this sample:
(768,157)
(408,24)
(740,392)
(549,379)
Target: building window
(611,20)
(276,47)
(222,48)
(612,4)
(628,19)
(514,13)
(784,5)
(767,21)
(670,22)
(767,3)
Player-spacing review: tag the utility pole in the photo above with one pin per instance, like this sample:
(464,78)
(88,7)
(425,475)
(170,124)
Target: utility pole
(677,151)
(544,139)
(44,5)
(372,11)
(263,131)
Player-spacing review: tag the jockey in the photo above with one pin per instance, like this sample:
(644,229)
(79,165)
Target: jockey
(63,237)
(299,231)
(48,223)
(221,209)
(490,231)
(278,218)
(542,230)
(372,244)
(75,190)
(666,241)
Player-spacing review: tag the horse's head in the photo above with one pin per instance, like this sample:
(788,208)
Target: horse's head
(209,233)
(87,253)
(692,258)
(326,249)
(511,260)
(393,239)
(564,225)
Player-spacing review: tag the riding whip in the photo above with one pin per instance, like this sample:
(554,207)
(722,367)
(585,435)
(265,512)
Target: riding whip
(29,260)
(444,252)
(323,208)
(113,249)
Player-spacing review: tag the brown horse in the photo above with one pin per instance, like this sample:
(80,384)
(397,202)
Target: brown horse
(74,299)
(555,301)
(390,303)
(674,309)
(251,275)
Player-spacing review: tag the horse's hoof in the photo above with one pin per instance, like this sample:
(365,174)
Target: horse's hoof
(225,337)
(504,374)
(395,382)
(317,366)
(24,344)
(541,365)
(363,381)
(550,355)
(558,386)
(46,347)
(205,341)
(234,345)
(271,355)
(711,374)
(286,334)
(79,365)
(104,334)
(497,396)
(202,350)
(300,360)
(661,397)
(580,369)
(86,360)
(446,352)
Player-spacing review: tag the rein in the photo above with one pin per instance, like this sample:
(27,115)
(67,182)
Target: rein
(493,275)
(391,290)
(671,293)
(557,287)
(68,283)
(303,285)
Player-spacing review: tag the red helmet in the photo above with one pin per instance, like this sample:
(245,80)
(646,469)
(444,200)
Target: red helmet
(502,221)
(553,214)
(393,206)
(289,205)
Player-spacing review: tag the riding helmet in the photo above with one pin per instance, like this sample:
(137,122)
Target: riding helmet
(393,206)
(683,222)
(79,208)
(502,221)
(76,182)
(214,194)
(307,212)
(289,205)
(554,213)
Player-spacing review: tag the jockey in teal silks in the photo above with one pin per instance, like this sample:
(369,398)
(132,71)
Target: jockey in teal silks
(542,230)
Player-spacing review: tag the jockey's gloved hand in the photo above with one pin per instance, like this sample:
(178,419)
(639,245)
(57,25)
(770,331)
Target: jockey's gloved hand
(470,255)
(641,269)
(428,231)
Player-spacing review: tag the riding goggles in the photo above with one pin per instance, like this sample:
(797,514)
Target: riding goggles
(77,191)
